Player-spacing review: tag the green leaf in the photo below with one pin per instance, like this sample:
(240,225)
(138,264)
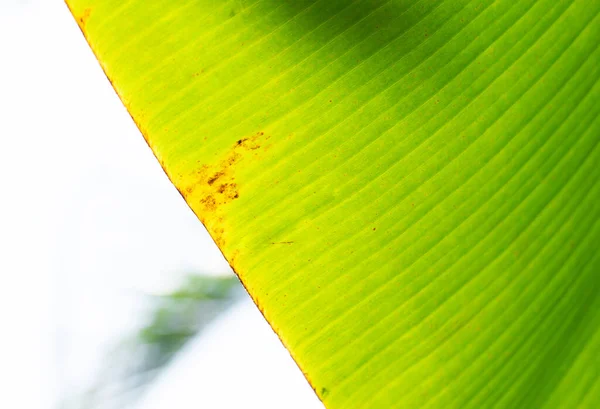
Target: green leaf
(407,188)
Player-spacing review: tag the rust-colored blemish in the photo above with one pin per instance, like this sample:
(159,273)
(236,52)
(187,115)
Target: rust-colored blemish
(213,186)
(209,203)
(83,18)
(214,177)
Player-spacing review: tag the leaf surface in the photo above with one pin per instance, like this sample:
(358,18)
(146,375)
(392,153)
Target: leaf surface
(408,189)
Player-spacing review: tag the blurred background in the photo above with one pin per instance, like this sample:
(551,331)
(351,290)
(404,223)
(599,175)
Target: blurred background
(113,294)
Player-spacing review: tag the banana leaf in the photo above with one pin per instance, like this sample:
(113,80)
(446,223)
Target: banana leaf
(408,189)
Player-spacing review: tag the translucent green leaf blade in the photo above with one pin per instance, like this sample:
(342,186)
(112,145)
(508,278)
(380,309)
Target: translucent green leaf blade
(408,189)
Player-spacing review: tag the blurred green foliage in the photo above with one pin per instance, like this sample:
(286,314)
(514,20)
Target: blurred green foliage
(181,314)
(171,321)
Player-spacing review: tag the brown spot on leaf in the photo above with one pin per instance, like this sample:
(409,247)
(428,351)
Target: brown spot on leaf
(209,202)
(213,186)
(214,177)
(83,18)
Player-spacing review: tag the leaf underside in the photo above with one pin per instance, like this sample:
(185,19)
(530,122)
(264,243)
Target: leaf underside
(408,189)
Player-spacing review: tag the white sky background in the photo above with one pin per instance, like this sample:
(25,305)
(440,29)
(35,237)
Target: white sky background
(87,221)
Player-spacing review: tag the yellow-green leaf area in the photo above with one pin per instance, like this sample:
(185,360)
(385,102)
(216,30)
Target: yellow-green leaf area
(407,188)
